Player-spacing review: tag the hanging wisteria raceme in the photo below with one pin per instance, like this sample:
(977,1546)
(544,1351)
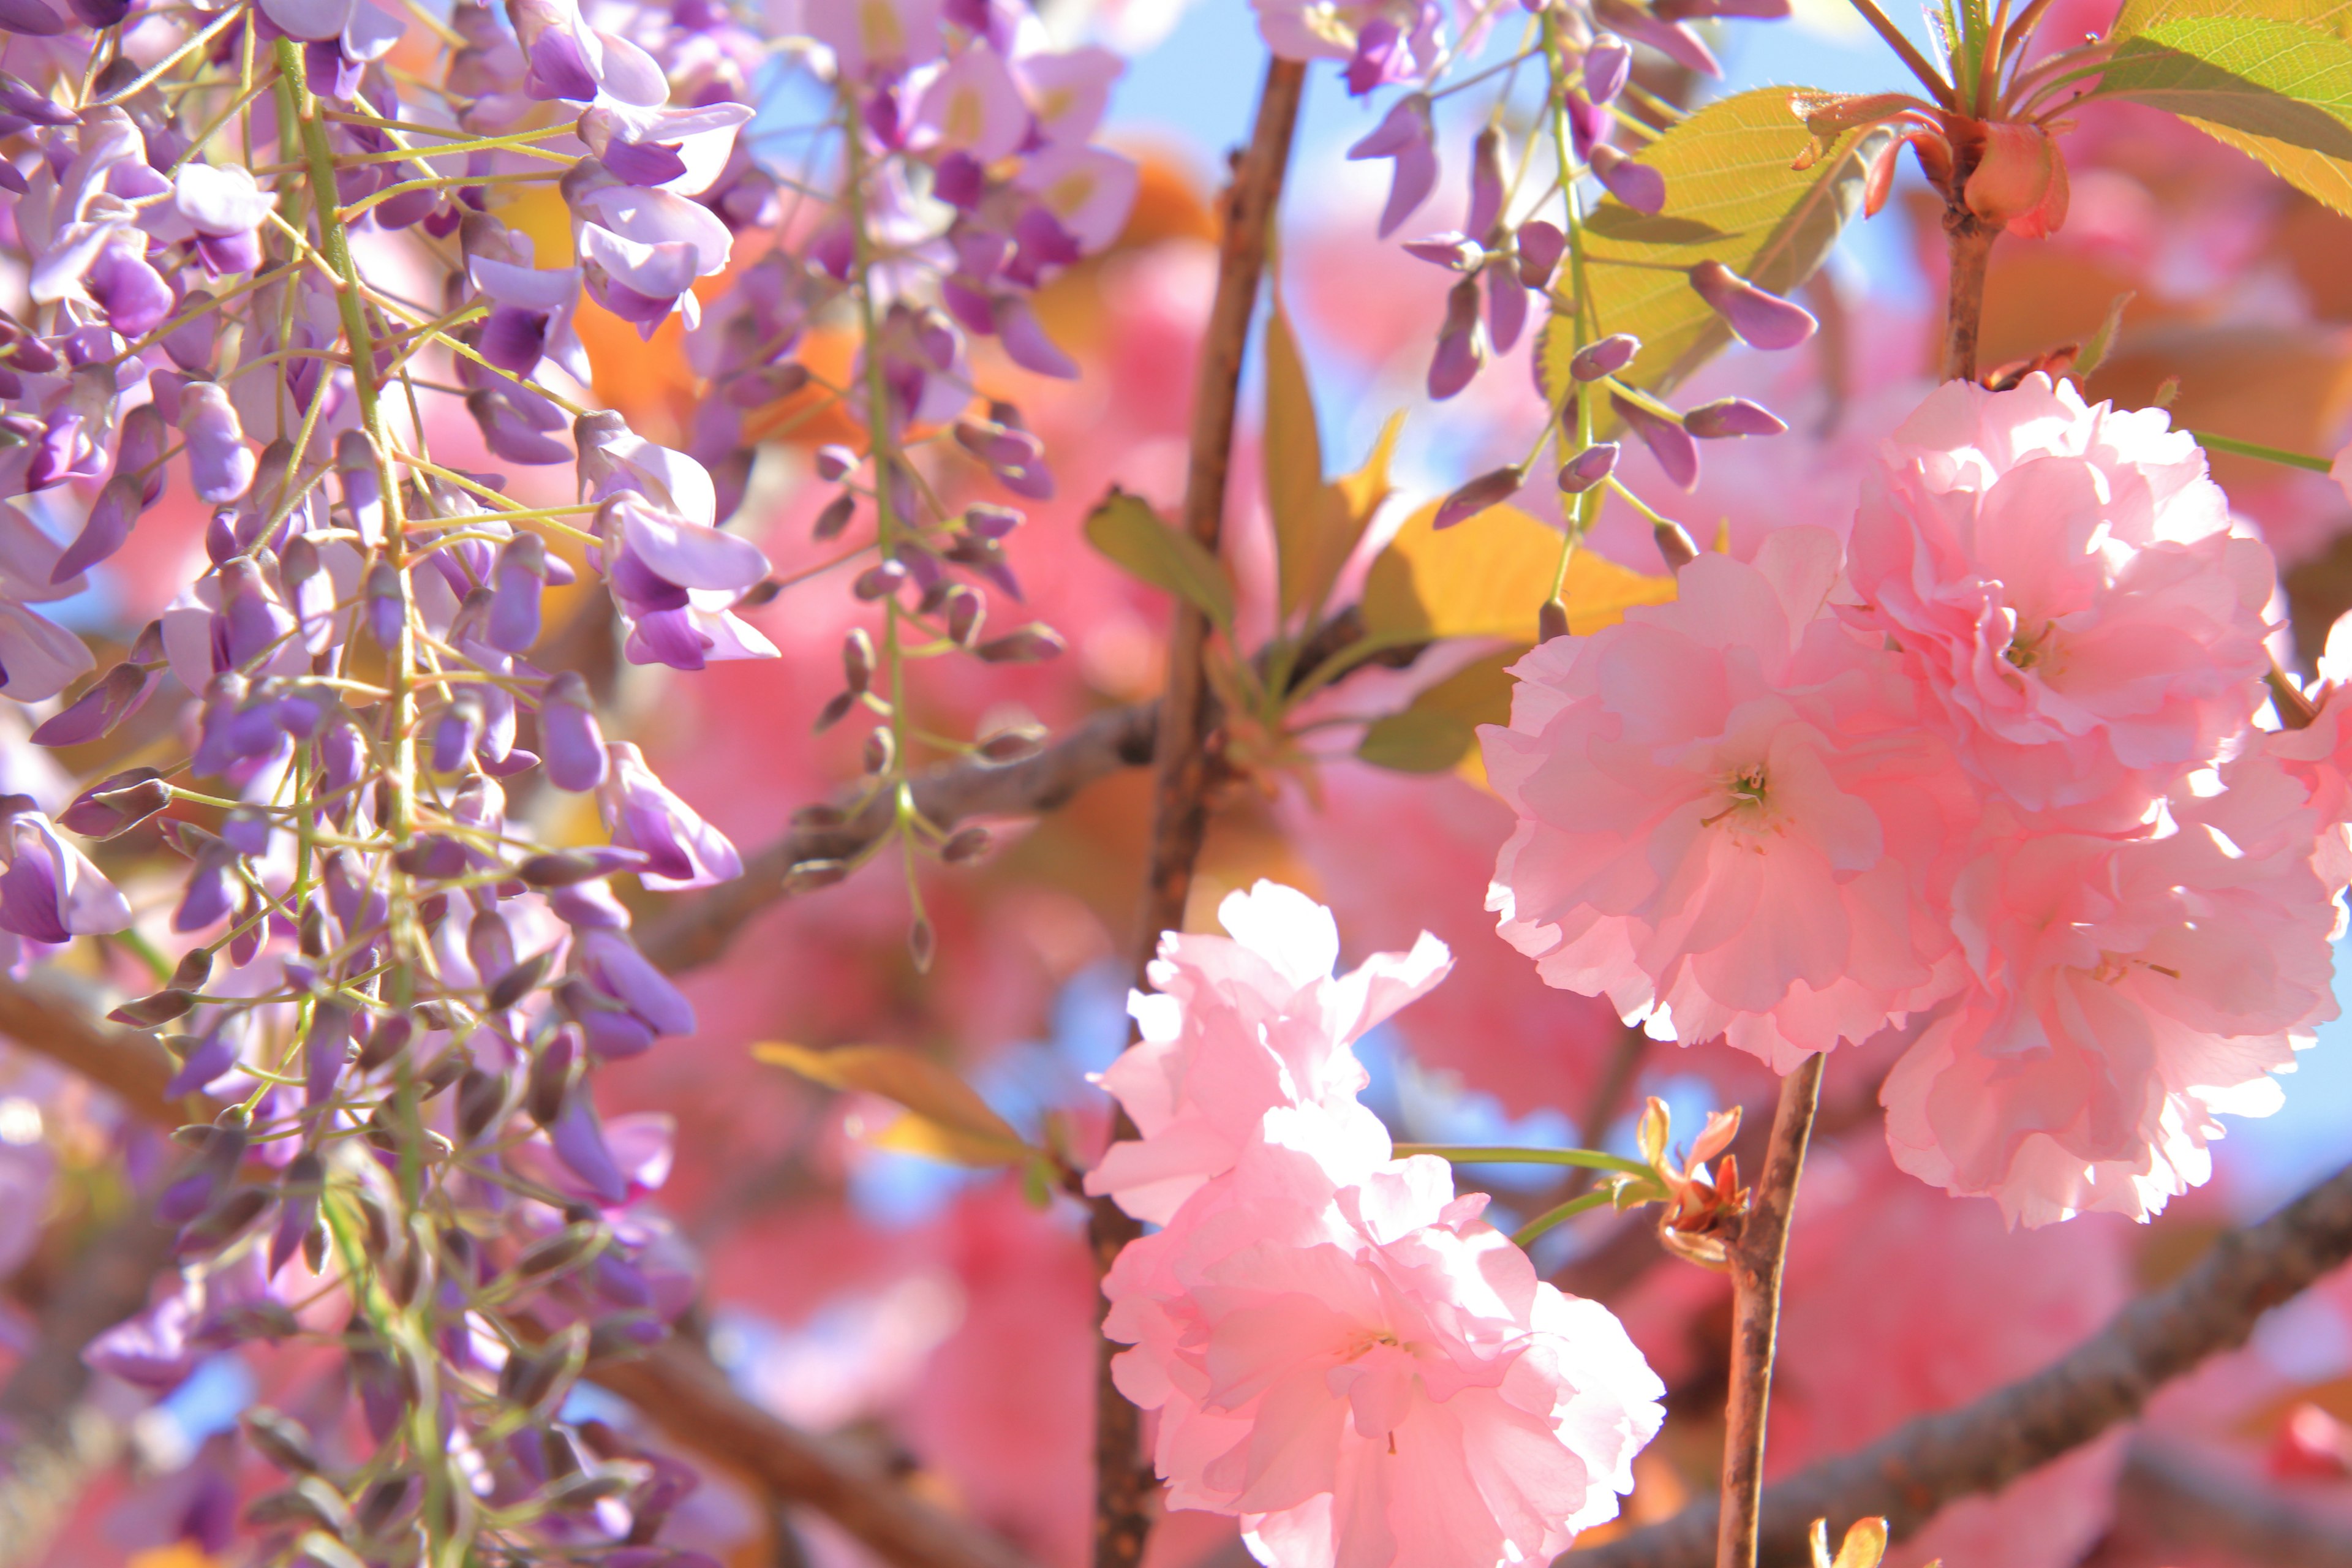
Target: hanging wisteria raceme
(311,263)
(1523,239)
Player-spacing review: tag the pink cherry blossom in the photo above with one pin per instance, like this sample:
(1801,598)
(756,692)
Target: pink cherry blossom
(2064,581)
(2126,991)
(1240,1025)
(1730,818)
(1368,1374)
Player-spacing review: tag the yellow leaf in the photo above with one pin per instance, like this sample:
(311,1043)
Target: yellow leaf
(1864,1544)
(1488,577)
(1731,196)
(1440,726)
(1311,563)
(1294,460)
(957,1118)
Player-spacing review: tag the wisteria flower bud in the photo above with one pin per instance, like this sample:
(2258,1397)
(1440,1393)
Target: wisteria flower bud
(833,520)
(94,714)
(1589,467)
(220,464)
(457,732)
(326,1049)
(966,613)
(1608,66)
(516,584)
(361,475)
(1455,252)
(1406,135)
(569,736)
(1461,346)
(386,603)
(117,804)
(1540,242)
(1031,643)
(879,581)
(1485,181)
(1676,546)
(1668,442)
(1731,416)
(858,660)
(1762,320)
(990,521)
(1486,490)
(1635,182)
(835,463)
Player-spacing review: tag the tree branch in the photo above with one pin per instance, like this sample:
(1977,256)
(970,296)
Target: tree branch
(1185,752)
(1924,1464)
(1756,1264)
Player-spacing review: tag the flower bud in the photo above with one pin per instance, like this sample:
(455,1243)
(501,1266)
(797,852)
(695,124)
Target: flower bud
(1761,320)
(833,520)
(1033,644)
(1608,65)
(1676,545)
(1633,183)
(1486,490)
(1668,442)
(1540,244)
(835,463)
(1606,358)
(1731,416)
(1589,467)
(117,804)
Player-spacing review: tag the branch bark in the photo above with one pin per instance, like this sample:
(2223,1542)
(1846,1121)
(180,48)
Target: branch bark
(1970,242)
(1184,751)
(1756,1266)
(1915,1469)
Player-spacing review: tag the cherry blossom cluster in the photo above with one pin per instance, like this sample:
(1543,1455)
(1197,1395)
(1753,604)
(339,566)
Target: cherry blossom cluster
(1995,769)
(316,272)
(1342,1351)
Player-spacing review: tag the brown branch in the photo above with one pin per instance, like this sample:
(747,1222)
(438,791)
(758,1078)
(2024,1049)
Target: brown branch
(39,1015)
(1926,1463)
(2170,1498)
(689,1398)
(1970,240)
(1756,1264)
(1185,753)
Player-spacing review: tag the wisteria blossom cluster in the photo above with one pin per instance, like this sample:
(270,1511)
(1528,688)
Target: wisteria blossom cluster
(1510,258)
(318,270)
(1342,1351)
(1998,768)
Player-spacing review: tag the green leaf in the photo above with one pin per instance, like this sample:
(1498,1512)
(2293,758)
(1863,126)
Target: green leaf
(946,1118)
(1438,728)
(1125,528)
(1488,577)
(1294,460)
(1731,196)
(2278,90)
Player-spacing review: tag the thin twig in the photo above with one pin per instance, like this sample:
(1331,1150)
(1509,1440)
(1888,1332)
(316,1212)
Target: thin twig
(1184,748)
(1926,1463)
(1756,1263)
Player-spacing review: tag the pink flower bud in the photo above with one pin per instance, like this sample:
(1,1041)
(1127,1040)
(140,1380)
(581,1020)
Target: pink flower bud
(1589,467)
(1636,185)
(1454,251)
(1608,65)
(1461,349)
(1732,416)
(1606,358)
(1765,321)
(1666,438)
(1407,136)
(2020,182)
(1540,245)
(1476,496)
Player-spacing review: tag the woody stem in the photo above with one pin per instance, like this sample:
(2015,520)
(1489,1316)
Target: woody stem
(1755,1262)
(1970,240)
(1124,1485)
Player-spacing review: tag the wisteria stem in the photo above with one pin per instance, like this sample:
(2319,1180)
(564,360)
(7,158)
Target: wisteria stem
(1756,1263)
(1124,1483)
